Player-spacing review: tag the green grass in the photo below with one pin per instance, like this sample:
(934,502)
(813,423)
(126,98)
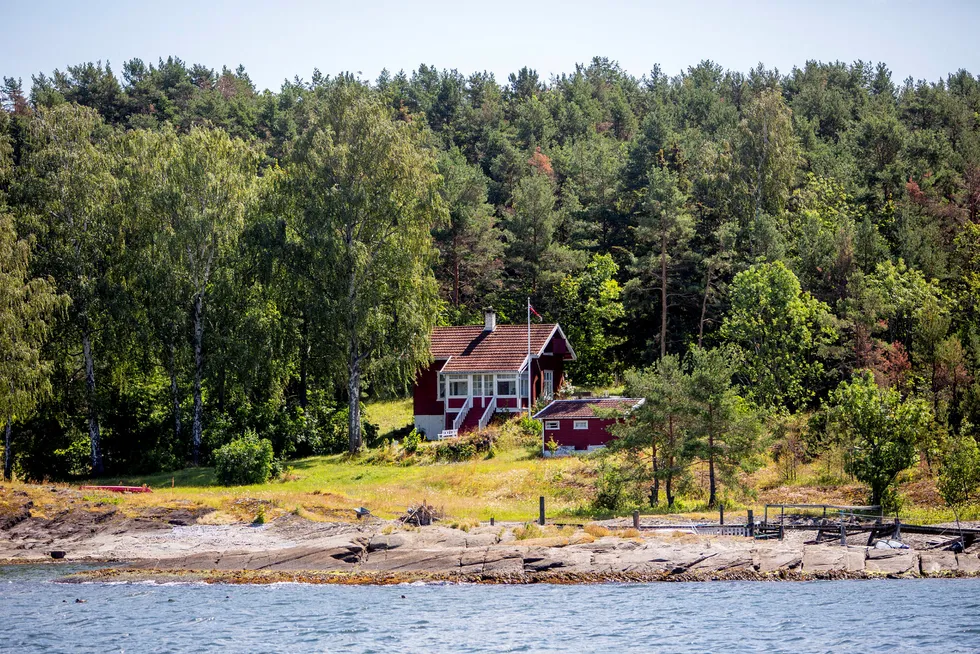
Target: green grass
(506,486)
(389,415)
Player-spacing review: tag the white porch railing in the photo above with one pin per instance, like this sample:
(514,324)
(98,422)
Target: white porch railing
(488,413)
(458,420)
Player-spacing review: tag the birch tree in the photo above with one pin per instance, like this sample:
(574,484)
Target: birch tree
(209,187)
(27,310)
(365,198)
(66,177)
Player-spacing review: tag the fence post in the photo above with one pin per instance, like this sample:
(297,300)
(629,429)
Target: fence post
(491,521)
(721,514)
(843,530)
(898,529)
(541,510)
(636,520)
(751,523)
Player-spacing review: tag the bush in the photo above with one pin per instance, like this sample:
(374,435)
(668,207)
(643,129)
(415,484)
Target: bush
(466,447)
(530,426)
(412,441)
(246,460)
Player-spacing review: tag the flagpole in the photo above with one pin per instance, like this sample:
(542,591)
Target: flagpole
(528,357)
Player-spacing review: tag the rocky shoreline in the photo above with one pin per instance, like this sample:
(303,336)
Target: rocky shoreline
(170,545)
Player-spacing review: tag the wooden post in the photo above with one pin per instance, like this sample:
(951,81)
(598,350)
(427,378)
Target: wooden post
(721,514)
(843,531)
(898,530)
(751,523)
(541,510)
(636,519)
(491,521)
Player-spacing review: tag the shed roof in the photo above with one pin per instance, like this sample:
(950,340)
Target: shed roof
(585,407)
(470,348)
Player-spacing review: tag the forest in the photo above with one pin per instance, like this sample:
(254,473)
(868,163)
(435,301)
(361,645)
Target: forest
(184,258)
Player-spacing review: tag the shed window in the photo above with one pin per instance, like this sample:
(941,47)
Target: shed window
(551,424)
(581,424)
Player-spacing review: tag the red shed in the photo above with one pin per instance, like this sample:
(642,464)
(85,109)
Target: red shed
(478,370)
(573,424)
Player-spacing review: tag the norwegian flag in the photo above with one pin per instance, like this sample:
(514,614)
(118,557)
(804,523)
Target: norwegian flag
(531,309)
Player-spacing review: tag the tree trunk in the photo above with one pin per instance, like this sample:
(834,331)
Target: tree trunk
(175,393)
(197,424)
(456,281)
(711,469)
(8,457)
(655,491)
(304,361)
(663,294)
(704,308)
(93,411)
(354,399)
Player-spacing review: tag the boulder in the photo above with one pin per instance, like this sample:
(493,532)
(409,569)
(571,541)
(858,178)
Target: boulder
(892,561)
(936,562)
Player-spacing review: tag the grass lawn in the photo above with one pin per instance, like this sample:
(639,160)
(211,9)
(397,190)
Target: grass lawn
(506,487)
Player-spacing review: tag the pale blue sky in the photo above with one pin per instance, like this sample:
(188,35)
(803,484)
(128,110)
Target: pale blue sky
(275,41)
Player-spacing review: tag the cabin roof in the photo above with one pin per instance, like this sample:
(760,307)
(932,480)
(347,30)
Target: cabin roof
(470,348)
(585,407)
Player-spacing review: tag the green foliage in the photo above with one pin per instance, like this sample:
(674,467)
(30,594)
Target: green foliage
(959,476)
(882,430)
(529,426)
(245,460)
(466,447)
(779,333)
(236,259)
(412,441)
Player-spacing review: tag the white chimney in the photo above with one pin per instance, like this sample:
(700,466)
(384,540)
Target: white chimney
(489,320)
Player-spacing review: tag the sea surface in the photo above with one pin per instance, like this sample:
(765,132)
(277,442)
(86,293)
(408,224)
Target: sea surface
(927,615)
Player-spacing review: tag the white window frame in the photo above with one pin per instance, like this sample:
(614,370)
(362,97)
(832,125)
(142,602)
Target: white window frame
(458,379)
(548,381)
(552,425)
(489,386)
(505,378)
(580,424)
(476,383)
(442,386)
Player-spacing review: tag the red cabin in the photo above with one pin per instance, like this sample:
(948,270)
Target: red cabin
(479,370)
(573,424)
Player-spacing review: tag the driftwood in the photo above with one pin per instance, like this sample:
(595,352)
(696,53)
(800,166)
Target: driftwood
(421,515)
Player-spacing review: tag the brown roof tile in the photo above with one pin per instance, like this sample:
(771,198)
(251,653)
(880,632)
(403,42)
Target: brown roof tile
(585,408)
(469,348)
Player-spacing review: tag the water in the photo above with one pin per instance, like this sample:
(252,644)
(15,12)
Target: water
(928,615)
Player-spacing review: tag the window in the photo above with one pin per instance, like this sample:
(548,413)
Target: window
(551,424)
(549,384)
(459,386)
(524,385)
(488,385)
(581,424)
(442,387)
(507,386)
(477,385)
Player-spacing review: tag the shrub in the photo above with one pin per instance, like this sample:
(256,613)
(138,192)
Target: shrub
(412,441)
(552,445)
(597,531)
(246,460)
(528,531)
(530,426)
(466,447)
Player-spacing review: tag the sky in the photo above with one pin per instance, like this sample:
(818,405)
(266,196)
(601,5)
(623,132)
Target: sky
(280,40)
